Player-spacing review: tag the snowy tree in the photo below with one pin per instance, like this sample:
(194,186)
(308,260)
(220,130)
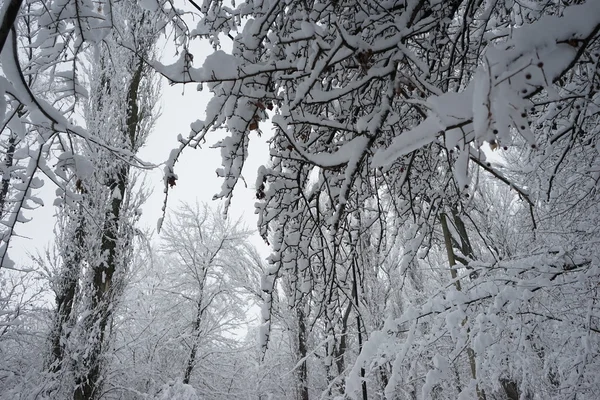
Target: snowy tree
(180,320)
(217,271)
(412,263)
(46,50)
(23,323)
(396,99)
(101,203)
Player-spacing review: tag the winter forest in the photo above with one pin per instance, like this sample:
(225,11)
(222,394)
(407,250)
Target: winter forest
(429,195)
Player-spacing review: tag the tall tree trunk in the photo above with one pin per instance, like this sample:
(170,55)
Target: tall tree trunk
(66,290)
(88,384)
(359,327)
(302,353)
(341,350)
(103,296)
(196,337)
(8,163)
(452,261)
(11,11)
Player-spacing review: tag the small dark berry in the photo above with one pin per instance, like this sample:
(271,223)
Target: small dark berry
(540,64)
(523,115)
(522,127)
(533,146)
(505,147)
(527,76)
(495,131)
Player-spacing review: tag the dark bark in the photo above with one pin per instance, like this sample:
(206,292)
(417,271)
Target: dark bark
(65,294)
(103,295)
(302,353)
(341,350)
(358,328)
(510,389)
(8,163)
(196,336)
(8,20)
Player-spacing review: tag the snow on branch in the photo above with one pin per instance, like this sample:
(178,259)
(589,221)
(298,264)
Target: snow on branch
(531,60)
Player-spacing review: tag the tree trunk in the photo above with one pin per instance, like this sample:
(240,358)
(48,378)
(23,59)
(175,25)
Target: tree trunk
(8,163)
(88,385)
(65,293)
(196,336)
(452,261)
(302,353)
(358,327)
(11,11)
(103,298)
(341,350)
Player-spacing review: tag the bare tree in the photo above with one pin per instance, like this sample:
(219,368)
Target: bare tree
(216,271)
